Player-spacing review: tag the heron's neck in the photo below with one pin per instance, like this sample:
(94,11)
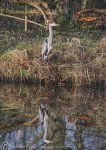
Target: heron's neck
(50,32)
(45,126)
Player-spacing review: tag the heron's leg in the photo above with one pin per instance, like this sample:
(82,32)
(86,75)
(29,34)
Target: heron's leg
(47,59)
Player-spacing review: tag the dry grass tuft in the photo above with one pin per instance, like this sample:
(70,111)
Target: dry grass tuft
(15,64)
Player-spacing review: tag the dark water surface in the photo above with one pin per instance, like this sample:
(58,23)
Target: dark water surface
(76,118)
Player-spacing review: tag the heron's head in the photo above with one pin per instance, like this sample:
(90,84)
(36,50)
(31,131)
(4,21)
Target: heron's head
(53,24)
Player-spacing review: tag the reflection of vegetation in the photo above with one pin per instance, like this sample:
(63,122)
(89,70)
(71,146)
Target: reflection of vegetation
(26,99)
(74,104)
(2,104)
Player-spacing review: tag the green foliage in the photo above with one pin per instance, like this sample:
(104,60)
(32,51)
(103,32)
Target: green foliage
(23,73)
(22,45)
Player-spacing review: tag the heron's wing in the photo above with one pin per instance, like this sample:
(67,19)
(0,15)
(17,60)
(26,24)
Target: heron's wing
(50,47)
(50,44)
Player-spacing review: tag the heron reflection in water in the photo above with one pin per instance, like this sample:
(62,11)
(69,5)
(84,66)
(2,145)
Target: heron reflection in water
(43,120)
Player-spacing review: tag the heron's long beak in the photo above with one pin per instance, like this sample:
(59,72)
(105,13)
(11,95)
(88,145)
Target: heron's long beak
(57,25)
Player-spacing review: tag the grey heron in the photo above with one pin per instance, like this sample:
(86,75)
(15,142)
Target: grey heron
(48,42)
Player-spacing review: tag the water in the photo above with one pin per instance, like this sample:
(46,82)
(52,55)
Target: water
(77,118)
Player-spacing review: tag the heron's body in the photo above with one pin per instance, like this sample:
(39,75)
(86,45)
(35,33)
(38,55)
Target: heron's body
(45,49)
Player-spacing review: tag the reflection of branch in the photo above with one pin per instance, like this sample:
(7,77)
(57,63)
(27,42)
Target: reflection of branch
(27,115)
(55,132)
(39,146)
(29,123)
(34,141)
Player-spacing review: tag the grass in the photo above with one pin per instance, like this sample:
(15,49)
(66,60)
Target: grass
(33,43)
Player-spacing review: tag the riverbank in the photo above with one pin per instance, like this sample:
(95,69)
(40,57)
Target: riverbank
(73,65)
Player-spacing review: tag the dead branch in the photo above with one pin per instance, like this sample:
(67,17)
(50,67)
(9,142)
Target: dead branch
(10,16)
